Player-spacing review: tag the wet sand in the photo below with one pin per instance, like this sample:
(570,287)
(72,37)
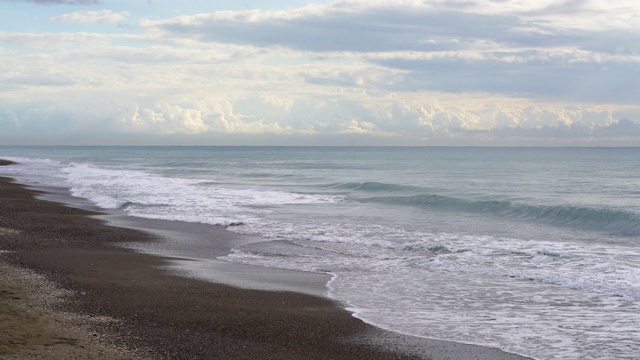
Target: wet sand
(67,288)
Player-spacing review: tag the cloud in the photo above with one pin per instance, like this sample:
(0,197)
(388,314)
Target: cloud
(622,129)
(202,116)
(402,72)
(92,17)
(401,119)
(12,81)
(39,43)
(56,2)
(609,82)
(541,49)
(336,28)
(366,26)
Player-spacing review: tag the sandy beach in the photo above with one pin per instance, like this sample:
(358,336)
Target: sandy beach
(68,291)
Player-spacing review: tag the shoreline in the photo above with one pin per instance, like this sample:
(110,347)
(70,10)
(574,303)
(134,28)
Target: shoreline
(177,317)
(193,250)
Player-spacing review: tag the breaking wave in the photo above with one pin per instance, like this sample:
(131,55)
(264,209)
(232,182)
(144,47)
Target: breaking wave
(616,221)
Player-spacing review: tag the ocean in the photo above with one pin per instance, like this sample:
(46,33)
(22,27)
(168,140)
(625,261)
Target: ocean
(535,251)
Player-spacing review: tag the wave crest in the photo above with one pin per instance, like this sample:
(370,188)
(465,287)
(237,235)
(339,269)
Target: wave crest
(371,186)
(616,221)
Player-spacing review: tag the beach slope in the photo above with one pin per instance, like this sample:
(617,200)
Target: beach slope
(91,299)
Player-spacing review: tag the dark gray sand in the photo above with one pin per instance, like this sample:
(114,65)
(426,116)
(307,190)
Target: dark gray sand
(154,313)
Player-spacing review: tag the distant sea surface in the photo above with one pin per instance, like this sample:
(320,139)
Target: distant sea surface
(535,251)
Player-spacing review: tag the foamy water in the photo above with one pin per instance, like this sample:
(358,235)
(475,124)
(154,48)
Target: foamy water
(534,251)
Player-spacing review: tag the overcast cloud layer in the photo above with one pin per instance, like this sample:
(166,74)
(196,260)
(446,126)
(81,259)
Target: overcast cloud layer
(434,72)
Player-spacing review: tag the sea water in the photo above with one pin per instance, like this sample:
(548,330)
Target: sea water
(535,251)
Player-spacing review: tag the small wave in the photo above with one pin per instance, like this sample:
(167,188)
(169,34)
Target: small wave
(209,183)
(587,285)
(30,161)
(267,175)
(620,222)
(127,205)
(131,204)
(434,249)
(440,249)
(371,186)
(549,254)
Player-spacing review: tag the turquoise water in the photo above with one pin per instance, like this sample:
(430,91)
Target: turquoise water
(534,251)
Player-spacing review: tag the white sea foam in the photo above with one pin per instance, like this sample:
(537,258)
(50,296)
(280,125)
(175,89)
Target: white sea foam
(148,195)
(35,171)
(514,294)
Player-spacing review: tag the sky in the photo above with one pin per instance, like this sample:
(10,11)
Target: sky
(345,72)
